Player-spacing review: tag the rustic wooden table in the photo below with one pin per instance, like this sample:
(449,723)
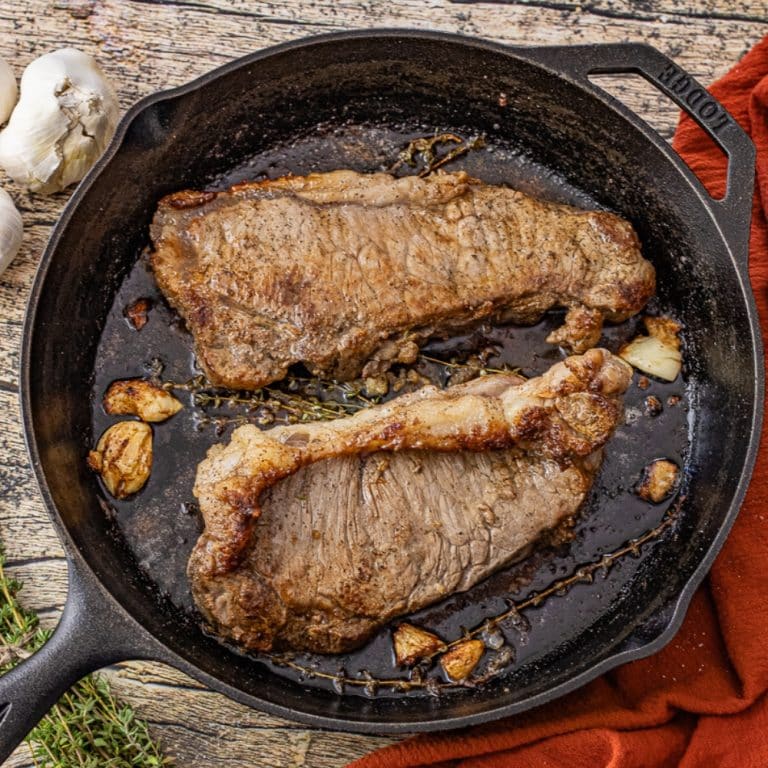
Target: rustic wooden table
(144,46)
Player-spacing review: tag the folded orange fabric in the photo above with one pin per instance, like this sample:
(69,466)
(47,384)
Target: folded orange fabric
(703,700)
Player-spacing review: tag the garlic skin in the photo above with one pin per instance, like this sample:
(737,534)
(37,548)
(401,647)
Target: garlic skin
(11,230)
(9,91)
(64,120)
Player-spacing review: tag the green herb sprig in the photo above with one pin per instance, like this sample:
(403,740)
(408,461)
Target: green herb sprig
(88,727)
(424,151)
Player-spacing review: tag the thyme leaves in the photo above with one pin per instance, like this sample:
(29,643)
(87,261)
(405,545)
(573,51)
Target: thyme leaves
(88,726)
(500,654)
(300,399)
(424,152)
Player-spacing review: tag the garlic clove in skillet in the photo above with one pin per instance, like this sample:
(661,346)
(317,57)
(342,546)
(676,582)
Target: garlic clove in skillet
(65,118)
(11,230)
(9,91)
(659,480)
(412,644)
(658,353)
(123,457)
(142,398)
(460,661)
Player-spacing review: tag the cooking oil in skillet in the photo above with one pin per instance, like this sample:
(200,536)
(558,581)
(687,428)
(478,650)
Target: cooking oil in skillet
(161,524)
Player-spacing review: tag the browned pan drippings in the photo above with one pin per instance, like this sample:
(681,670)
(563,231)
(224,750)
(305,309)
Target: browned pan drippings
(161,524)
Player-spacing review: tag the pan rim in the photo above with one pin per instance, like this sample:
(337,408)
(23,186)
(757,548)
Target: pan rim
(166,653)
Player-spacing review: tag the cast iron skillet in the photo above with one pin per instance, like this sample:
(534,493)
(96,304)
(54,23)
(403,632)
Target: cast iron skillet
(566,128)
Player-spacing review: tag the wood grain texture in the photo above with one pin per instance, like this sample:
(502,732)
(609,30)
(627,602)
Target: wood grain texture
(144,46)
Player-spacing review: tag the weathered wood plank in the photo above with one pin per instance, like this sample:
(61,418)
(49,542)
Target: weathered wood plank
(145,46)
(218,726)
(671,10)
(25,529)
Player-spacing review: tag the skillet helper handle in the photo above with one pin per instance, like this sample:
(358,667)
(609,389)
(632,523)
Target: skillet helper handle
(733,212)
(90,635)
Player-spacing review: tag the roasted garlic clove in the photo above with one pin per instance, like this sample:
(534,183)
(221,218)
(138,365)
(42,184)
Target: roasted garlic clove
(123,457)
(459,662)
(659,352)
(665,329)
(413,644)
(659,479)
(142,398)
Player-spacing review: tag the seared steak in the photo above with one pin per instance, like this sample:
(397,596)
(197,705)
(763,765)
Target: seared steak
(313,542)
(346,272)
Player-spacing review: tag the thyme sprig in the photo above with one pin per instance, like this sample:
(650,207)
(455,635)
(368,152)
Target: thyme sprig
(298,399)
(87,728)
(512,616)
(479,368)
(424,151)
(583,574)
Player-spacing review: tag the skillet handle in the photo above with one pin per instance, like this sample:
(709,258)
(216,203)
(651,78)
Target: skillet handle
(93,633)
(733,212)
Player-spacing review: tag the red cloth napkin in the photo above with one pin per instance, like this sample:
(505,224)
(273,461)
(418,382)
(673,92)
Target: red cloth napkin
(702,701)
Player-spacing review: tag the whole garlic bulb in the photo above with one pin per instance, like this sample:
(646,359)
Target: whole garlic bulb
(11,228)
(66,116)
(9,91)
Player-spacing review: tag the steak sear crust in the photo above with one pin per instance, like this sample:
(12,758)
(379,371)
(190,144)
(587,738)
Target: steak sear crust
(318,534)
(348,272)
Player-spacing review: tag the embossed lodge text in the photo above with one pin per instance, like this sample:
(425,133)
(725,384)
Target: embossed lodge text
(695,97)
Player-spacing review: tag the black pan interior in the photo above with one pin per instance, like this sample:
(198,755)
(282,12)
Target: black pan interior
(354,103)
